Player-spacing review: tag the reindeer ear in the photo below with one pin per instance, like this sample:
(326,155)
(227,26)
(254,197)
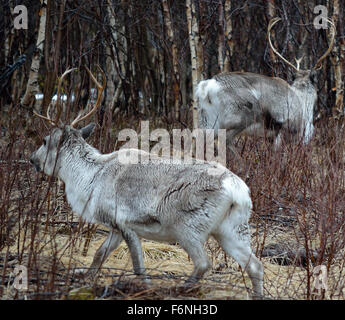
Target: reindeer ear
(201,91)
(86,131)
(313,76)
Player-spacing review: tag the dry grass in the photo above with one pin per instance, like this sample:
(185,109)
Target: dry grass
(298,198)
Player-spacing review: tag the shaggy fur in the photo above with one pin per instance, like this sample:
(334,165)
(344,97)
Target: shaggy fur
(249,103)
(156,199)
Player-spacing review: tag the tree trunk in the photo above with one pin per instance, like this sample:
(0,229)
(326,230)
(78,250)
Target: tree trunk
(228,35)
(221,37)
(32,86)
(193,31)
(111,72)
(337,59)
(271,13)
(172,43)
(198,36)
(52,53)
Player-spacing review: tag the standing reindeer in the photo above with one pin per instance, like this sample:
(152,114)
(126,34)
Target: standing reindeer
(254,104)
(157,199)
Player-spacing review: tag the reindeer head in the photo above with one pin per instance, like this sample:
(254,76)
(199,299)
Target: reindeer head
(63,137)
(302,76)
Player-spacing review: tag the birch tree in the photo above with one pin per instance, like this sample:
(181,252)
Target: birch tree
(113,92)
(174,53)
(221,36)
(193,31)
(337,59)
(271,13)
(228,35)
(52,50)
(32,86)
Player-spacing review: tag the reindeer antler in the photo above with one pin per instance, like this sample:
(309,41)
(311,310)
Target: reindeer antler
(333,32)
(298,61)
(58,106)
(100,89)
(272,22)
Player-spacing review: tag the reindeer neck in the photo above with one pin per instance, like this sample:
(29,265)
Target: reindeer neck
(79,168)
(305,91)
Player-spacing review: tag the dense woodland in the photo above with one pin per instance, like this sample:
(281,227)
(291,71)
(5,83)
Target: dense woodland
(154,53)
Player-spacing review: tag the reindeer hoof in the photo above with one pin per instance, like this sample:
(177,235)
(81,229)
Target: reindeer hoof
(85,273)
(80,272)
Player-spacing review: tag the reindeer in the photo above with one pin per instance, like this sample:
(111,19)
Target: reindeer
(254,104)
(156,198)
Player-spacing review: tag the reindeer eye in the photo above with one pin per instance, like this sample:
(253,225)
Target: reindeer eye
(44,141)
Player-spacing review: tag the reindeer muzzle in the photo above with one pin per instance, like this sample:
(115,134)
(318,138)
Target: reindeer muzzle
(35,164)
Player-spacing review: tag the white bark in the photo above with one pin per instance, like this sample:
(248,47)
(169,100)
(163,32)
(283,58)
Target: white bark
(271,14)
(228,35)
(193,31)
(170,32)
(111,73)
(32,86)
(221,37)
(337,59)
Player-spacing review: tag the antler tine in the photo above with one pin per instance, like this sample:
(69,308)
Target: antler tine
(100,89)
(272,22)
(333,32)
(43,117)
(298,62)
(58,97)
(59,111)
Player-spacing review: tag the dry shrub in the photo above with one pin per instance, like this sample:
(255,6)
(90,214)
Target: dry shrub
(298,218)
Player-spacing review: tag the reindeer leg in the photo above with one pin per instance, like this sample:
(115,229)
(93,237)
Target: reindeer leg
(195,250)
(230,136)
(109,245)
(236,243)
(134,245)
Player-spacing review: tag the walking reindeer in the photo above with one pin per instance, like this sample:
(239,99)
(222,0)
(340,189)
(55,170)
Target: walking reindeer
(254,104)
(155,198)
